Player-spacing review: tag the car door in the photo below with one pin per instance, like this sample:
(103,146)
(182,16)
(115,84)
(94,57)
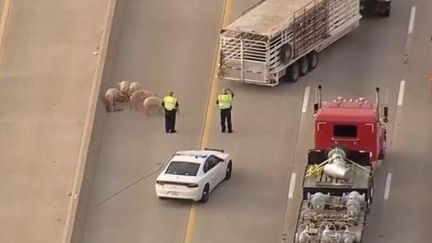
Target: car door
(208,174)
(210,168)
(222,167)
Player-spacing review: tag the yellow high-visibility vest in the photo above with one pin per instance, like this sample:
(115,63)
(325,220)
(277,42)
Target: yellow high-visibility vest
(225,101)
(170,102)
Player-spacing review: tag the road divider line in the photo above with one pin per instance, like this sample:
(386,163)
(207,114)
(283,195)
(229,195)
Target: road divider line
(190,224)
(292,185)
(412,20)
(401,93)
(411,23)
(387,186)
(306,99)
(3,22)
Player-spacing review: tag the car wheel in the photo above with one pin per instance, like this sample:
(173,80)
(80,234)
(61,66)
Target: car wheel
(293,72)
(228,171)
(205,194)
(313,60)
(303,66)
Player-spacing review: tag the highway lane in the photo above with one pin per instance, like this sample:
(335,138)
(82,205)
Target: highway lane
(251,206)
(268,144)
(406,212)
(166,45)
(369,57)
(375,53)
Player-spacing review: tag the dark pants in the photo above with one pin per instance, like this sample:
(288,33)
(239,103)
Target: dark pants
(170,118)
(226,118)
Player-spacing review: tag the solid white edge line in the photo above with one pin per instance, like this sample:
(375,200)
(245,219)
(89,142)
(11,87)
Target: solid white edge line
(412,20)
(401,93)
(387,186)
(291,186)
(306,99)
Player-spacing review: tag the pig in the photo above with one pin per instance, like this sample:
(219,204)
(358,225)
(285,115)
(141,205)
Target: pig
(124,90)
(134,86)
(152,104)
(137,98)
(110,99)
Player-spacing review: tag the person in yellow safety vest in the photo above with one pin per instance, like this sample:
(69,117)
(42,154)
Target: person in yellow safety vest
(224,102)
(170,105)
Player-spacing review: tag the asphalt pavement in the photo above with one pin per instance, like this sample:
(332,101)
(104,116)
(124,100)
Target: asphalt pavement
(164,45)
(170,45)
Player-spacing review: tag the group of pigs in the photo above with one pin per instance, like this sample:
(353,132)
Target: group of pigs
(131,92)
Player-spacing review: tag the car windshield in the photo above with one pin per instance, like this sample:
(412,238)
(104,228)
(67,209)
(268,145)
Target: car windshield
(183,168)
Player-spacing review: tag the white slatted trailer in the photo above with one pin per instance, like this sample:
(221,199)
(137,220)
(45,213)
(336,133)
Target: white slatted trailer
(283,37)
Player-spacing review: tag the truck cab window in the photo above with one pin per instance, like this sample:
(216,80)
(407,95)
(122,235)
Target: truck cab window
(346,131)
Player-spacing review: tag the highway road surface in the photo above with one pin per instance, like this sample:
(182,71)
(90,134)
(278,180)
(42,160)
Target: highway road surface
(165,45)
(46,71)
(170,45)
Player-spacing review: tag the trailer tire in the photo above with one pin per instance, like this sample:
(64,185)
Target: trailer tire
(303,65)
(286,53)
(385,13)
(293,72)
(313,58)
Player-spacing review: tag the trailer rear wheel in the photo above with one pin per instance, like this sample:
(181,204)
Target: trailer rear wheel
(285,53)
(293,72)
(385,13)
(313,60)
(303,65)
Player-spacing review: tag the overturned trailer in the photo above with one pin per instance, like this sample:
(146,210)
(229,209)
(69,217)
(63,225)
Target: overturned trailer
(283,38)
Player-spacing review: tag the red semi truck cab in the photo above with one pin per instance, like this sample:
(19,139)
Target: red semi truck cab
(351,124)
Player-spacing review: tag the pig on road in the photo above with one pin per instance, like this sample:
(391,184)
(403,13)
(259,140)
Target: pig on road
(137,98)
(152,105)
(134,86)
(110,99)
(124,90)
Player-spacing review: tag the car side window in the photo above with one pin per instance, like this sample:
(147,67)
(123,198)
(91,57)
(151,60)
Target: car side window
(206,166)
(210,163)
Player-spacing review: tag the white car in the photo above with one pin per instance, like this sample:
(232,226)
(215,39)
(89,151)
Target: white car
(193,174)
